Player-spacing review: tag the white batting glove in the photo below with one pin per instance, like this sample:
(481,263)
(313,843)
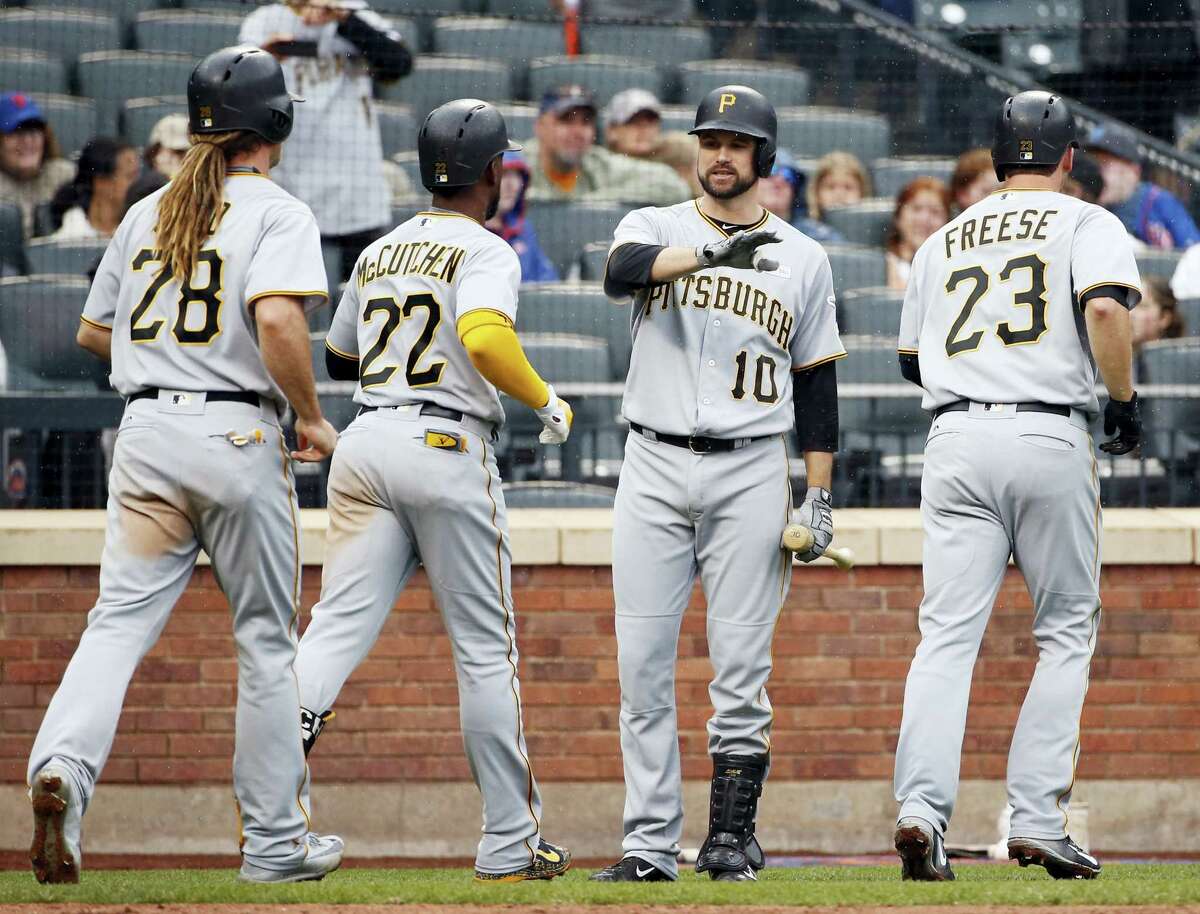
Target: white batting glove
(557,417)
(816,513)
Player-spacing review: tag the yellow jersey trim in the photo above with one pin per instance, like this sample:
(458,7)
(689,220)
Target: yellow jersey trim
(345,355)
(92,323)
(247,174)
(1097,285)
(907,351)
(291,293)
(819,362)
(426,212)
(717,225)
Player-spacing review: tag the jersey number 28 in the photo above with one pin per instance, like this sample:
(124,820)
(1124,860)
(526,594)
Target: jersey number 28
(1033,298)
(209,296)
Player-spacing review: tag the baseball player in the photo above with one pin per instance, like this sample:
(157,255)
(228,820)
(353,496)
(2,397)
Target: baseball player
(1010,309)
(199,304)
(731,346)
(426,328)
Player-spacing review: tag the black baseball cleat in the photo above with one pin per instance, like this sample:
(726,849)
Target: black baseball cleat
(630,869)
(743,875)
(1062,857)
(549,861)
(922,853)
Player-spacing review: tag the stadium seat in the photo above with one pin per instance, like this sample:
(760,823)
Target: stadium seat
(74,120)
(531,8)
(564,229)
(519,119)
(890,175)
(39,316)
(647,42)
(110,77)
(871,312)
(678,117)
(578,308)
(139,115)
(185,32)
(32,72)
(863,223)
(1151,262)
(1172,418)
(121,9)
(812,132)
(592,261)
(63,258)
(555,494)
(1189,313)
(481,37)
(397,128)
(405,211)
(989,13)
(567,358)
(391,8)
(65,35)
(437,79)
(316,341)
(12,256)
(411,165)
(784,85)
(856,267)
(604,76)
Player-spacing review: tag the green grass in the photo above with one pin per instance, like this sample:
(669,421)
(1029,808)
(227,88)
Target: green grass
(1129,884)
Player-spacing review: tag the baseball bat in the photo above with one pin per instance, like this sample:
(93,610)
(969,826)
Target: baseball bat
(798,538)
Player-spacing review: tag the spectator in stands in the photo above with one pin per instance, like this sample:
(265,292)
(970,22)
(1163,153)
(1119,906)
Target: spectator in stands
(782,193)
(922,207)
(509,222)
(334,159)
(92,204)
(168,143)
(974,178)
(1149,212)
(1156,316)
(31,168)
(566,164)
(633,127)
(1085,180)
(838,180)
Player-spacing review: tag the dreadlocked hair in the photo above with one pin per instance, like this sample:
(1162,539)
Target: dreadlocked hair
(188,211)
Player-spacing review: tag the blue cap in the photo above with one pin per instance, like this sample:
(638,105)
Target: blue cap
(18,109)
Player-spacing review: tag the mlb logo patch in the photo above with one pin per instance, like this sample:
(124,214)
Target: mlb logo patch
(1026,150)
(439,173)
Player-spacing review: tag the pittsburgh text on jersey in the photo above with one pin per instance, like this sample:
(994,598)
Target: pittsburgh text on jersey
(723,293)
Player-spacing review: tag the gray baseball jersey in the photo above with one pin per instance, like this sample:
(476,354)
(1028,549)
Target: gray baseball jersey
(713,351)
(713,354)
(200,335)
(992,309)
(408,489)
(190,473)
(400,308)
(991,304)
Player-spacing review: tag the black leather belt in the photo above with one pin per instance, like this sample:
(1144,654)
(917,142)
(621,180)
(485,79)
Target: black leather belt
(210,396)
(961,406)
(697,444)
(427,409)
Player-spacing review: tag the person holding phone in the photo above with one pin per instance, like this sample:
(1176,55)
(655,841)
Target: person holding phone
(331,51)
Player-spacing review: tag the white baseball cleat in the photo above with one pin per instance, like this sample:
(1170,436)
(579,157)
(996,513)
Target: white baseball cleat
(324,856)
(57,811)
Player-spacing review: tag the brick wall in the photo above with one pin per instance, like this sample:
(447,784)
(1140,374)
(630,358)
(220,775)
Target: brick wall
(842,650)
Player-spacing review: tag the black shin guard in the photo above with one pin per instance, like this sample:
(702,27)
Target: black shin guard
(733,806)
(310,727)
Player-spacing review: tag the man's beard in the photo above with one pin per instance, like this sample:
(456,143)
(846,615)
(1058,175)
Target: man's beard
(493,205)
(739,187)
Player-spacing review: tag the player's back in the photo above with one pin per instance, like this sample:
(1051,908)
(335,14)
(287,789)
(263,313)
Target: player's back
(399,312)
(200,335)
(991,307)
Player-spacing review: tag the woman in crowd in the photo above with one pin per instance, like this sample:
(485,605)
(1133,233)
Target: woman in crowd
(92,204)
(31,168)
(782,193)
(838,180)
(922,207)
(973,179)
(509,222)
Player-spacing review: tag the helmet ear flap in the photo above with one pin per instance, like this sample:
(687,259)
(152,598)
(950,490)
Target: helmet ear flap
(764,158)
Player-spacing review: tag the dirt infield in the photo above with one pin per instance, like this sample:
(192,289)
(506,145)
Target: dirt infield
(573,909)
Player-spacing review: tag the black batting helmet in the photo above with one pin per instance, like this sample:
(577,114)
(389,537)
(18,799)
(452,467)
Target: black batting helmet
(740,109)
(1034,128)
(240,88)
(458,141)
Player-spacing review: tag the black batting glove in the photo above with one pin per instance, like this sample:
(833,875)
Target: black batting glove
(741,251)
(1124,418)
